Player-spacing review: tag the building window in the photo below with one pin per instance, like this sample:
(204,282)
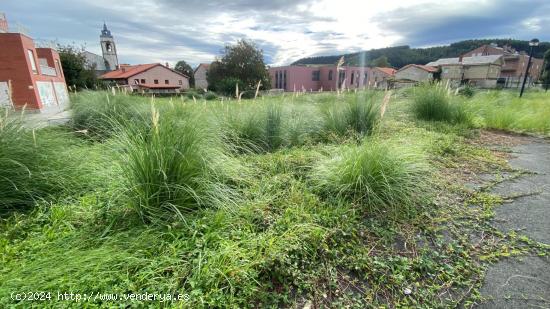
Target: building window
(315,76)
(136,81)
(352,76)
(108,47)
(330,75)
(277,80)
(156,81)
(445,70)
(284,80)
(180,82)
(365,78)
(143,81)
(166,82)
(341,77)
(58,67)
(31,59)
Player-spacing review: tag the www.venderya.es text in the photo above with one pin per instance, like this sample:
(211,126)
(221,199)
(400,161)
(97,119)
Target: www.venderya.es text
(44,296)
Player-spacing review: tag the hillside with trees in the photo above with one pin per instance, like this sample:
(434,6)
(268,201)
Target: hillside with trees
(399,56)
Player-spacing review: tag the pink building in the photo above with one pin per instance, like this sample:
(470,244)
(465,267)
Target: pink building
(319,77)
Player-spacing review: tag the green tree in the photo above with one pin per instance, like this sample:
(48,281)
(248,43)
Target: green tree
(184,68)
(75,69)
(381,62)
(242,63)
(546,73)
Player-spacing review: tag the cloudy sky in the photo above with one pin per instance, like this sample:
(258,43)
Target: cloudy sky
(196,30)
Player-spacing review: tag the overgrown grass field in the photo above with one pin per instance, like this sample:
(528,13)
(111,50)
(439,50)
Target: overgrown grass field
(324,199)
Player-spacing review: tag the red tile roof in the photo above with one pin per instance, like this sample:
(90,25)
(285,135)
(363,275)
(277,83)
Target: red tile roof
(127,71)
(389,71)
(422,67)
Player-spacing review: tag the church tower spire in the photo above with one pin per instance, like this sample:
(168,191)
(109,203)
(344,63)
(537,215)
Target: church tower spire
(108,48)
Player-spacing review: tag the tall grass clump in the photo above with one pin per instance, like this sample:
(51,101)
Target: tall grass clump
(255,127)
(34,165)
(301,125)
(381,177)
(434,102)
(173,164)
(94,111)
(358,113)
(503,110)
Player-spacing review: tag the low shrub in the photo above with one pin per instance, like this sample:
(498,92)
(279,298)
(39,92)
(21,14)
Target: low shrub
(172,164)
(34,165)
(301,125)
(434,102)
(194,94)
(467,91)
(359,113)
(209,96)
(504,110)
(98,112)
(381,177)
(255,127)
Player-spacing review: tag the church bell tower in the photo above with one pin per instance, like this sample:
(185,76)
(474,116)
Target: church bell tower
(108,48)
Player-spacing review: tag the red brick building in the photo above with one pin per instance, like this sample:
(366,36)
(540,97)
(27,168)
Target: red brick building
(30,77)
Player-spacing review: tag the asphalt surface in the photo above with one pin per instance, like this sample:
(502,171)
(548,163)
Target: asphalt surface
(523,282)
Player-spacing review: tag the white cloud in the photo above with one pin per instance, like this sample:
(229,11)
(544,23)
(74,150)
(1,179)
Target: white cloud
(196,30)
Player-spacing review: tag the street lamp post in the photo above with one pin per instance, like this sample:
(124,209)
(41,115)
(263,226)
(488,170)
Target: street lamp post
(532,44)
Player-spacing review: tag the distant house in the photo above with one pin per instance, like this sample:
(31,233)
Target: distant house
(515,64)
(481,71)
(415,73)
(201,76)
(318,77)
(148,78)
(380,77)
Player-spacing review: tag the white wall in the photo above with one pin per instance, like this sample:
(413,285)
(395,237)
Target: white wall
(413,73)
(200,78)
(161,74)
(5,98)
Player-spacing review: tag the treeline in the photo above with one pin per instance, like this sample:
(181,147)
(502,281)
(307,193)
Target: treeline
(399,56)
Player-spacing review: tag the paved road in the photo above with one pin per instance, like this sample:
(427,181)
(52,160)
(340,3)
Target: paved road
(523,282)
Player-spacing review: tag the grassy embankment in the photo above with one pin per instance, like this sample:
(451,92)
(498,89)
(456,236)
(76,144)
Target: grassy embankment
(334,200)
